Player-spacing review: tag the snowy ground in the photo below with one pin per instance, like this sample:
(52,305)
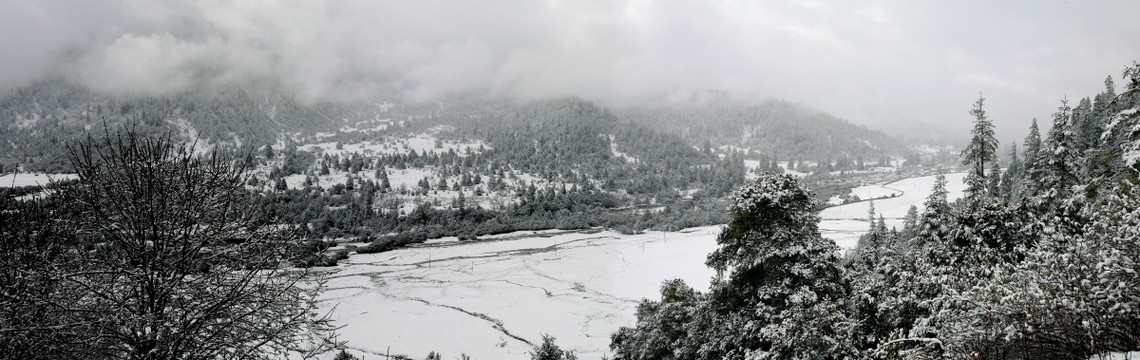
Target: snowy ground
(846,223)
(493,299)
(18,180)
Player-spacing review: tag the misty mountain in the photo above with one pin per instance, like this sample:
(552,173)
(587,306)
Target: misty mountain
(36,119)
(784,129)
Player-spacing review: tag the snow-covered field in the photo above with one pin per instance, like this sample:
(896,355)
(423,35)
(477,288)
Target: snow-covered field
(18,180)
(846,223)
(494,298)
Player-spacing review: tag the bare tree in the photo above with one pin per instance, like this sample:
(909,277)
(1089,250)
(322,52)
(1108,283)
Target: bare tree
(36,321)
(174,264)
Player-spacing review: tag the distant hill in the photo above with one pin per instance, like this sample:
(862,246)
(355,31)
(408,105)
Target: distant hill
(37,119)
(784,129)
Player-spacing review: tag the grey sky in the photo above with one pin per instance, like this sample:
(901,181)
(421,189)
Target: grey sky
(872,62)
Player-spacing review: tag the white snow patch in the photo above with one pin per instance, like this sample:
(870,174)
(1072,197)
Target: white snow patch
(33,179)
(616,153)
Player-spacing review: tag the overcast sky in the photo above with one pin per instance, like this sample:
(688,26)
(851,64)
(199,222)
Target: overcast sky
(880,63)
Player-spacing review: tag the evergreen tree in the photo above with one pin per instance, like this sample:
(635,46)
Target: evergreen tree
(548,350)
(1011,181)
(1129,121)
(382,175)
(982,149)
(933,225)
(1032,168)
(1086,126)
(910,222)
(461,202)
(345,355)
(777,293)
(773,254)
(1102,161)
(993,184)
(1059,158)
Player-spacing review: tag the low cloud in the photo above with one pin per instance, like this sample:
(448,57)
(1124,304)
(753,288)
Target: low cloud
(877,63)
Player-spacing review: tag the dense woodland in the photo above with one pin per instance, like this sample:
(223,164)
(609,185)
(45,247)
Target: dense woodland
(545,164)
(1039,260)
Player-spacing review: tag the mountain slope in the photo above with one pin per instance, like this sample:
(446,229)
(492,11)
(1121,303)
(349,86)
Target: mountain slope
(779,128)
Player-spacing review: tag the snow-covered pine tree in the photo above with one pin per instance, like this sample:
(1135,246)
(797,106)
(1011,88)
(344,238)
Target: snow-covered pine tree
(1086,127)
(770,251)
(1032,169)
(932,223)
(1011,181)
(778,294)
(1129,121)
(1060,157)
(981,150)
(910,223)
(993,182)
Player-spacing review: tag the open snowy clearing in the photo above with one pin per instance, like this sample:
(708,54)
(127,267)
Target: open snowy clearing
(845,223)
(494,298)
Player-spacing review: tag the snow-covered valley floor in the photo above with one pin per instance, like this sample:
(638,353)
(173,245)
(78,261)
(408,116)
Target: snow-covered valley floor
(492,299)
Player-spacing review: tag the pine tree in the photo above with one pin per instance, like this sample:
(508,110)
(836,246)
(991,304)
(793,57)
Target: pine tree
(461,202)
(910,223)
(772,253)
(1011,182)
(1086,126)
(548,350)
(384,184)
(1032,169)
(1128,120)
(982,149)
(933,224)
(871,214)
(345,355)
(1059,159)
(993,183)
(1102,161)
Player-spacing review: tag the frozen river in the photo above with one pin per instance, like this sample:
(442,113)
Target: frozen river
(845,223)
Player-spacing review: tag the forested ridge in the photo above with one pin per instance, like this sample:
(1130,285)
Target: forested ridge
(783,129)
